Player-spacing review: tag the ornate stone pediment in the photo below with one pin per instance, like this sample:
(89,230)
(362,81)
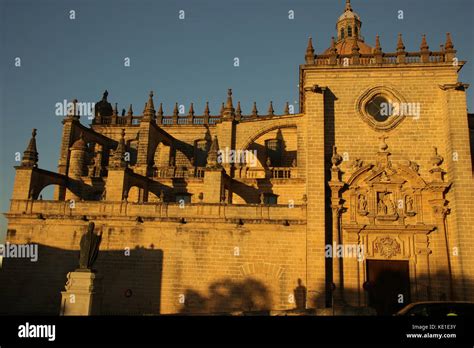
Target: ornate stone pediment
(385,193)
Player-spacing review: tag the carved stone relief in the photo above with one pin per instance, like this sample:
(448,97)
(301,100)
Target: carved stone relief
(387,247)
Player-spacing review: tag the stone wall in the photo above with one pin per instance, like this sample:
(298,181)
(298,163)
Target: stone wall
(150,267)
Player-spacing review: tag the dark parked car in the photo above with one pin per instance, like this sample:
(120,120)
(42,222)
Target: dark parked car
(438,309)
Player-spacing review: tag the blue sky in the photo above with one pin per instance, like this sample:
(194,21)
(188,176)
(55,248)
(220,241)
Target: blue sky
(183,61)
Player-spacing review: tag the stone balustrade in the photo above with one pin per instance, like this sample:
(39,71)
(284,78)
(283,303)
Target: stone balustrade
(43,209)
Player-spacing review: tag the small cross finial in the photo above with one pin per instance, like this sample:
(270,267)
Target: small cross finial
(33,133)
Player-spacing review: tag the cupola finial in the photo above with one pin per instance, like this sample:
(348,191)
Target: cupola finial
(348,6)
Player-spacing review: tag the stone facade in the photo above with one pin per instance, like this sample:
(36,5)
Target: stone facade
(186,231)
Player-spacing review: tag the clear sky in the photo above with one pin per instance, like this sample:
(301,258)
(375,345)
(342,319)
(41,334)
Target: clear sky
(183,61)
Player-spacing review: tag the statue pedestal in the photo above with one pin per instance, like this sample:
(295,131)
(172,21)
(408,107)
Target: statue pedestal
(83,295)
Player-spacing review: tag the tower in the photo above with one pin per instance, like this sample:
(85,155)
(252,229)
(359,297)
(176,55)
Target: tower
(401,98)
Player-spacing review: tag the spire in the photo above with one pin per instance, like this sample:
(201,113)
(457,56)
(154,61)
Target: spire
(254,110)
(449,43)
(175,110)
(213,154)
(332,52)
(238,111)
(424,45)
(377,44)
(333,49)
(424,50)
(287,109)
(159,113)
(449,51)
(309,56)
(400,45)
(229,99)
(149,111)
(271,112)
(222,109)
(105,95)
(348,6)
(401,54)
(129,117)
(378,51)
(118,160)
(206,110)
(30,155)
(191,110)
(229,110)
(114,114)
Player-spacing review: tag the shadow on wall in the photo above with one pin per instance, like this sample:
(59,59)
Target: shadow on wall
(132,284)
(227,295)
(387,294)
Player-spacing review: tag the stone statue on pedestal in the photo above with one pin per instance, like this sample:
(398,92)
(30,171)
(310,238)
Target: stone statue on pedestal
(90,243)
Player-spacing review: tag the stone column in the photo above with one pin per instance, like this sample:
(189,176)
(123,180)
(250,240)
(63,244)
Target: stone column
(336,207)
(337,268)
(82,295)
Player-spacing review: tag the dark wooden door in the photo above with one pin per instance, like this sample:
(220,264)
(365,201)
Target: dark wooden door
(389,285)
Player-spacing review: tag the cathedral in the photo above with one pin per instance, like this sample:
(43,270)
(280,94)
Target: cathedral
(362,200)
